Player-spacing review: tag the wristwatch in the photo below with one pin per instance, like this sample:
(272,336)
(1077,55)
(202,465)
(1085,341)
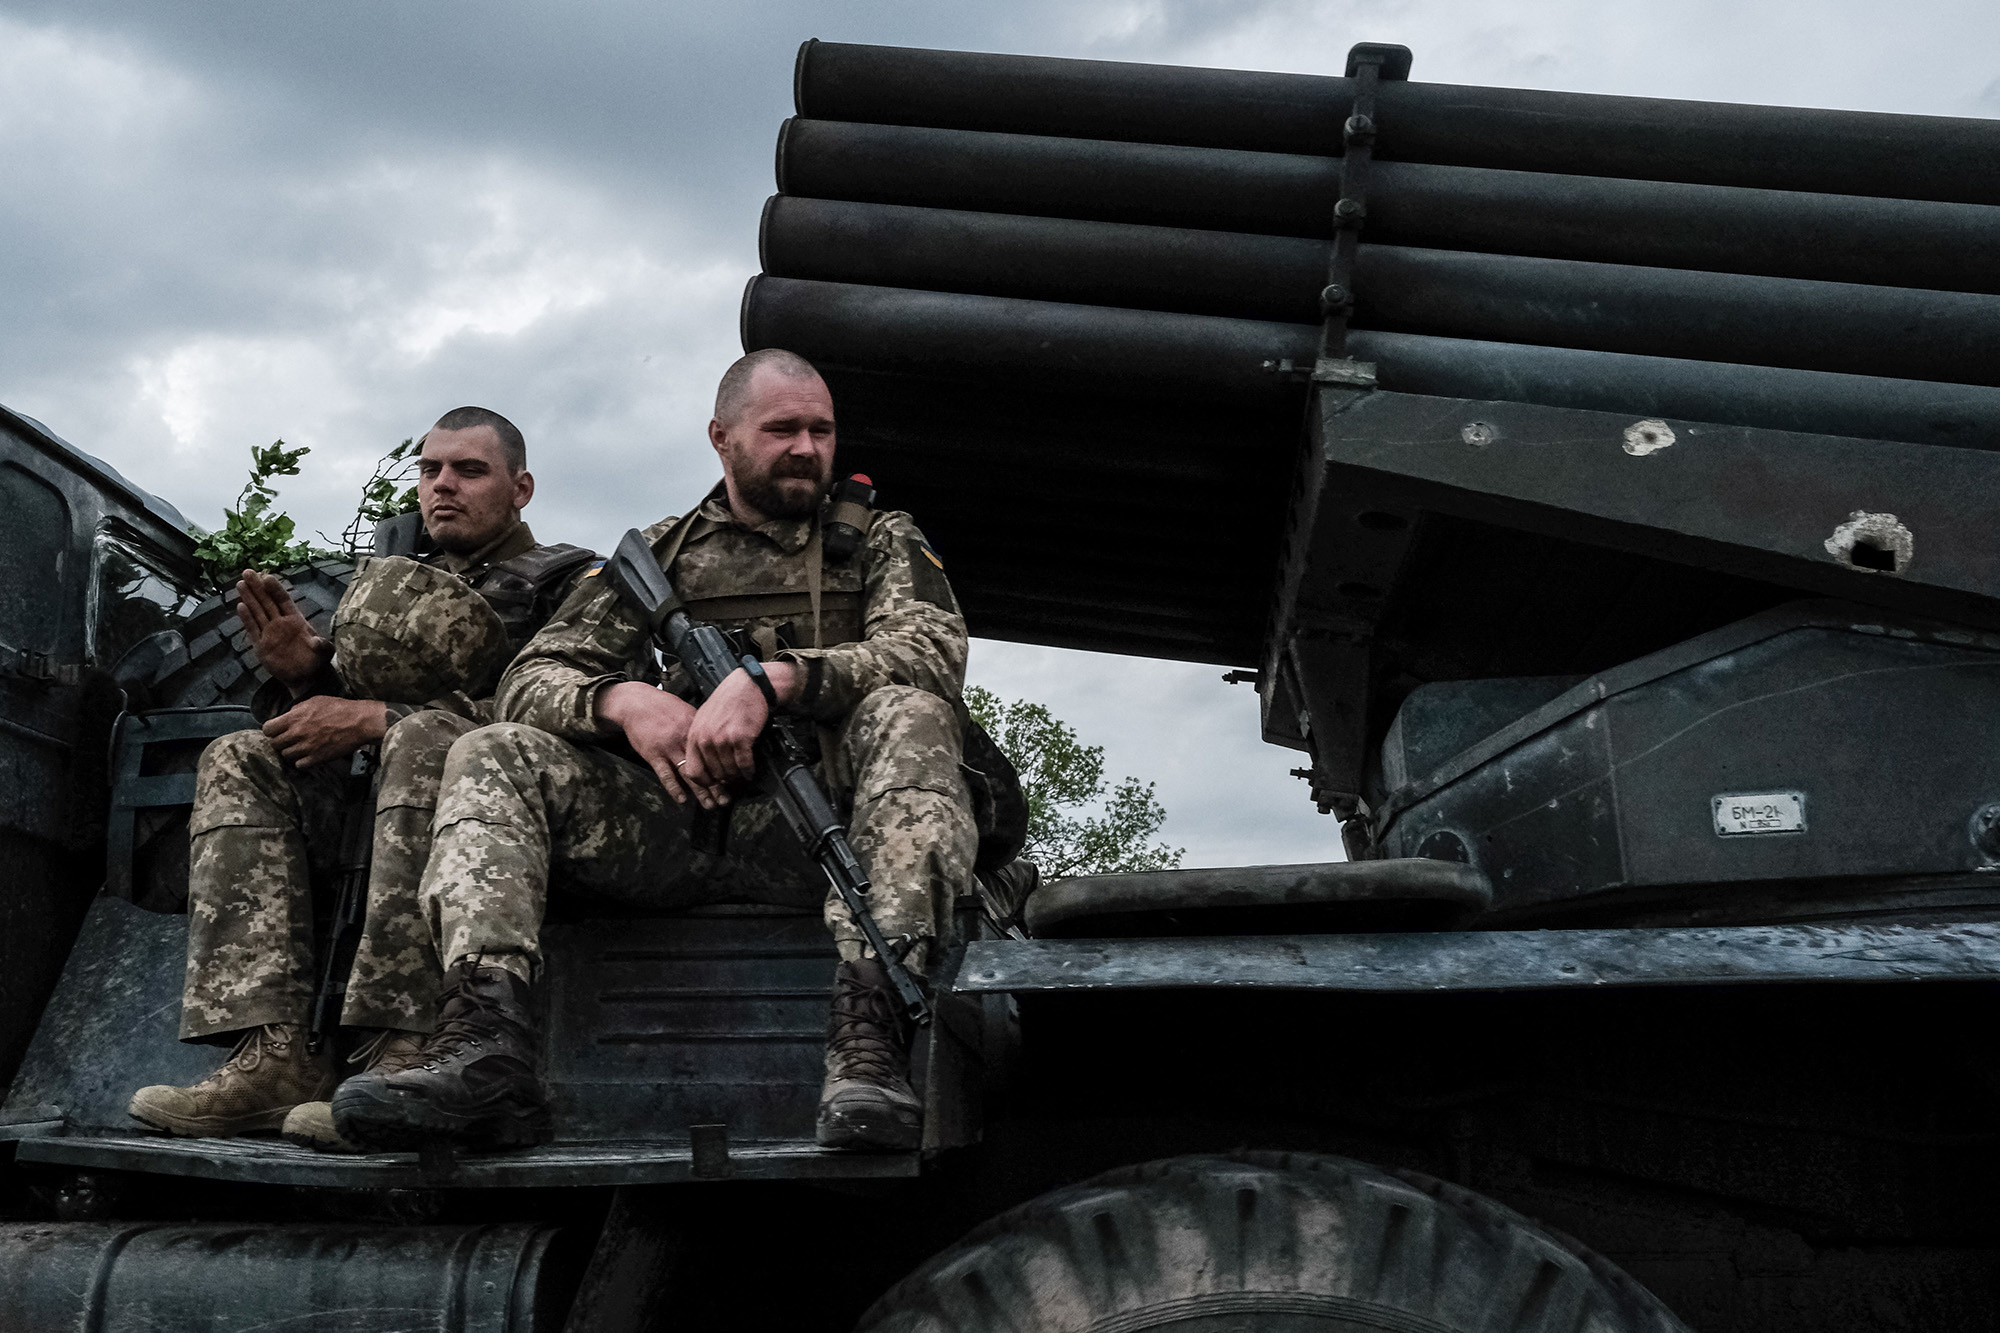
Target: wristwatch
(755,670)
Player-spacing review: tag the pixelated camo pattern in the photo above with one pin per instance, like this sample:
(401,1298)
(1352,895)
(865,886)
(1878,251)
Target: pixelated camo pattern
(910,638)
(407,632)
(523,813)
(265,838)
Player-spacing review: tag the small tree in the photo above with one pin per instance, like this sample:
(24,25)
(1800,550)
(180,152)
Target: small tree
(254,535)
(1061,777)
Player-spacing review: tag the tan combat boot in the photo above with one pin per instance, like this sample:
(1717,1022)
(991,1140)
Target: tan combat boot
(389,1051)
(867,1102)
(266,1075)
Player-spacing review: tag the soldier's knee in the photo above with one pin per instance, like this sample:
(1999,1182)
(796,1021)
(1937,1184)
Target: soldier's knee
(426,729)
(413,756)
(502,748)
(903,737)
(498,737)
(237,755)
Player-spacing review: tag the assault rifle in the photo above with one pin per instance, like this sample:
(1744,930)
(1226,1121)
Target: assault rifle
(783,770)
(350,905)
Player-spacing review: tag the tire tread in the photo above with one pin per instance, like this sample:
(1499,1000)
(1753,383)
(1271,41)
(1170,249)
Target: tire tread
(1272,1232)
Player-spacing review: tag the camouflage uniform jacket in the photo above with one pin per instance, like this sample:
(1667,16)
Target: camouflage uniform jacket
(887,617)
(521,579)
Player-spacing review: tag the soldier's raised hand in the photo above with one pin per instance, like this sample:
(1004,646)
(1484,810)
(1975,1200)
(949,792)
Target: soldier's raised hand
(285,641)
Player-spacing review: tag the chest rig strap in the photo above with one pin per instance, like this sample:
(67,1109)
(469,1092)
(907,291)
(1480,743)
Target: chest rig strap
(815,601)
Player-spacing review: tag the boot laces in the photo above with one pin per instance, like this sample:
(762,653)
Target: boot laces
(465,1020)
(460,1032)
(270,1039)
(374,1050)
(863,1040)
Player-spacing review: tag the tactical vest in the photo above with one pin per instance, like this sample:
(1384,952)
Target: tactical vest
(796,601)
(767,606)
(525,591)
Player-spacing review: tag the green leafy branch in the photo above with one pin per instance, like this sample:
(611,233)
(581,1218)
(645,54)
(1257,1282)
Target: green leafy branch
(254,535)
(1061,778)
(390,490)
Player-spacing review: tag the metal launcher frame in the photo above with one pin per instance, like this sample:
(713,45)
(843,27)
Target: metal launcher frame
(1580,377)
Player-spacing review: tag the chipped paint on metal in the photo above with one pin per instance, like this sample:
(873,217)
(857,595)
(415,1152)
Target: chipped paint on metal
(1479,434)
(1647,437)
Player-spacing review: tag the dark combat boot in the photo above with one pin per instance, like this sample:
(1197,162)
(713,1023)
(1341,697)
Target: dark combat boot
(475,1082)
(867,1102)
(389,1051)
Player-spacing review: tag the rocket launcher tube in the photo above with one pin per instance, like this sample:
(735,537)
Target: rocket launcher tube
(708,657)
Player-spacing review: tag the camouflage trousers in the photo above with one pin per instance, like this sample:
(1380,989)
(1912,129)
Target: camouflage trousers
(264,837)
(522,810)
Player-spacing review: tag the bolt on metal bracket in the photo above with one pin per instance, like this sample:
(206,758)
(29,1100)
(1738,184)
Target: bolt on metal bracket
(1367,64)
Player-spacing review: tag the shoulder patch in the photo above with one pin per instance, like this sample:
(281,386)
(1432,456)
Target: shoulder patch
(596,568)
(927,580)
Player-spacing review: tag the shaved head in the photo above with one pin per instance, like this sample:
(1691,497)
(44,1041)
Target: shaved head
(734,391)
(512,447)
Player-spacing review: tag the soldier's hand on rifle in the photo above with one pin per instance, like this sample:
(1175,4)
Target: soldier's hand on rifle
(656,724)
(720,742)
(323,727)
(285,640)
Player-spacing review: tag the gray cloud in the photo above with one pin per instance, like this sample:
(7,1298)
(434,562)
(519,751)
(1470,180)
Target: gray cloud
(229,222)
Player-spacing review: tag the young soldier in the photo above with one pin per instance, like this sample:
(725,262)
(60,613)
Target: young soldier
(414,637)
(600,782)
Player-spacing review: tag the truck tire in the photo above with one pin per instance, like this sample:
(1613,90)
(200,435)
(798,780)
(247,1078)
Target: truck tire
(1265,1243)
(222,667)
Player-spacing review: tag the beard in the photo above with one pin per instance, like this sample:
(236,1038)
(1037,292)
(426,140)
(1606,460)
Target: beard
(793,488)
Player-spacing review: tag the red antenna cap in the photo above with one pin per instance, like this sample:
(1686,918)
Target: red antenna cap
(861,477)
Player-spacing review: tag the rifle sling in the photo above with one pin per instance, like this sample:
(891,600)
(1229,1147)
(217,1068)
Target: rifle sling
(814,602)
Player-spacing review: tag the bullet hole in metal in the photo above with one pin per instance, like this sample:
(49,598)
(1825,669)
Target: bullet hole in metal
(1872,543)
(1867,555)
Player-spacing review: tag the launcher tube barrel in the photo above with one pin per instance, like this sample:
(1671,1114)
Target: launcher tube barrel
(1799,323)
(1730,229)
(1122,354)
(1865,406)
(898,331)
(1792,322)
(1787,148)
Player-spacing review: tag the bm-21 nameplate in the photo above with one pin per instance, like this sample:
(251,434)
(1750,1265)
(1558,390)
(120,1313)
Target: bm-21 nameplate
(1760,812)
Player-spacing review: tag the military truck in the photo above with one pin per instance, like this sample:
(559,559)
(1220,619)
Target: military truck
(1598,492)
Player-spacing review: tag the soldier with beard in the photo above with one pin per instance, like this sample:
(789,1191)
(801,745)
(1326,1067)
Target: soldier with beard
(599,784)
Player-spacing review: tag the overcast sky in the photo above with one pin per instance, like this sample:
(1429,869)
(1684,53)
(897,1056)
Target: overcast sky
(228,222)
